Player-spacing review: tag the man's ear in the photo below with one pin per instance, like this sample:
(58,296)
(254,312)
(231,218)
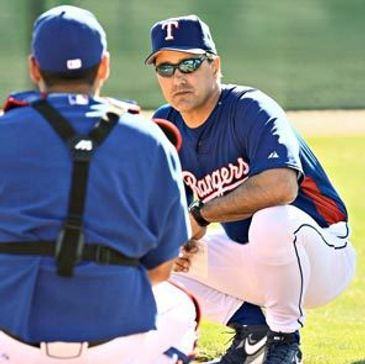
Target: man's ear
(104,68)
(33,70)
(217,65)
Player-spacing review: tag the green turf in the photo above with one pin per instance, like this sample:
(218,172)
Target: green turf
(333,334)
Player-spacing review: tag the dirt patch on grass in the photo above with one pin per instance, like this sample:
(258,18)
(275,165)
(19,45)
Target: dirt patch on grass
(329,122)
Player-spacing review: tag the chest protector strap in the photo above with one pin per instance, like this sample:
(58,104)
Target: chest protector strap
(70,242)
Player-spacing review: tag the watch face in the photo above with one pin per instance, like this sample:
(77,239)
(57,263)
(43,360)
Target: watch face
(194,209)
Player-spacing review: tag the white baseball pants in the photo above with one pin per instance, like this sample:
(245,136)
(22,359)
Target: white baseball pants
(176,327)
(289,263)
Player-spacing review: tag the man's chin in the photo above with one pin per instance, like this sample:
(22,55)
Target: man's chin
(183,104)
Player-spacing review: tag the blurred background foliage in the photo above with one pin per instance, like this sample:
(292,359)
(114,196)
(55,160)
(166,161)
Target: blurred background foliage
(306,54)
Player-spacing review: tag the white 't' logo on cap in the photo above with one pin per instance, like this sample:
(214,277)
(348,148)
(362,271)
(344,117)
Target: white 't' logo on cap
(169,26)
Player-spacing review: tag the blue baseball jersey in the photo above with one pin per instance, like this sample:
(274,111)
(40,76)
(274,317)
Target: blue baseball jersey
(135,203)
(248,133)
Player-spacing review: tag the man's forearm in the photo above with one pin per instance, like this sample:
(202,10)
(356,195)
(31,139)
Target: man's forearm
(160,273)
(270,188)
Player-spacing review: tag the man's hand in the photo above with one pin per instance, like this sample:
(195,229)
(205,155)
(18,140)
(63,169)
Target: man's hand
(182,263)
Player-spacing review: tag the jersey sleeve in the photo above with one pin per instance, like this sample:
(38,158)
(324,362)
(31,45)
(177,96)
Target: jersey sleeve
(162,112)
(269,140)
(169,219)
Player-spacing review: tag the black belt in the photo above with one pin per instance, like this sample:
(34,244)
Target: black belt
(97,253)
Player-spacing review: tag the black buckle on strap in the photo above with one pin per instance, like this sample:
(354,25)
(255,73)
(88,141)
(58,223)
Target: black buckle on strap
(79,248)
(102,254)
(69,249)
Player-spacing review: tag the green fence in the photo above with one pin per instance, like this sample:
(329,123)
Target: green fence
(308,54)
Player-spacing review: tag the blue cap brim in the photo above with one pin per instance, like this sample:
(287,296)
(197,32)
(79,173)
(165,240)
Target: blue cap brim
(151,58)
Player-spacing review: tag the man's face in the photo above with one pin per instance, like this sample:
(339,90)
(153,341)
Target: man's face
(187,92)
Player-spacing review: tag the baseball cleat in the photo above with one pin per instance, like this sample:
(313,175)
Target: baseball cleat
(248,346)
(282,349)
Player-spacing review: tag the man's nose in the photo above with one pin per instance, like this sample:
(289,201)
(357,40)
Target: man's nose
(179,77)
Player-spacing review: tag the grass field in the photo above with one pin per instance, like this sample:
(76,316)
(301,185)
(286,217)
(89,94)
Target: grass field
(334,334)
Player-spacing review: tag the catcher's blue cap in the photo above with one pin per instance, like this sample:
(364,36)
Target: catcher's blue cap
(184,34)
(67,38)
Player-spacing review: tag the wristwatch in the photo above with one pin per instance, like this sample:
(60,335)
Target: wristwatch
(194,209)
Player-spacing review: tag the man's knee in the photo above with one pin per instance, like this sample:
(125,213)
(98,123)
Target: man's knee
(188,303)
(271,234)
(173,298)
(185,314)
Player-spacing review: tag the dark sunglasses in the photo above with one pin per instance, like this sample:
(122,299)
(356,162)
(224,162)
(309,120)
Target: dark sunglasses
(188,65)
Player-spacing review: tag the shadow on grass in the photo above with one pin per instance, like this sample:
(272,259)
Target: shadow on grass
(359,362)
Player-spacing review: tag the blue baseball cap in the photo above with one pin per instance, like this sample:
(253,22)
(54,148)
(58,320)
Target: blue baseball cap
(67,38)
(184,34)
